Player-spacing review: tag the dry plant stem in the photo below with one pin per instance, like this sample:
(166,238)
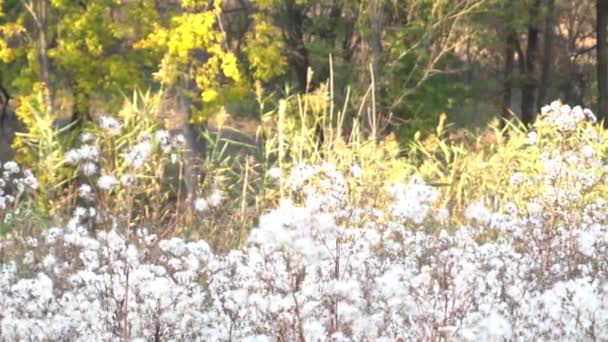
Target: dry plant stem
(300,325)
(336,277)
(362,105)
(372,116)
(244,203)
(555,206)
(127,268)
(281,129)
(180,179)
(126,308)
(330,139)
(342,114)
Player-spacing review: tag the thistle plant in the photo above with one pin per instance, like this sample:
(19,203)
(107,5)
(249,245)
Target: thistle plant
(562,153)
(317,267)
(18,190)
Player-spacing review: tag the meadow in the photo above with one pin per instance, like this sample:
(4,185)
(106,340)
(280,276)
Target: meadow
(498,235)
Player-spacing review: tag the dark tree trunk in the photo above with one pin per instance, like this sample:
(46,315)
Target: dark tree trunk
(5,97)
(545,77)
(528,101)
(81,110)
(45,62)
(602,59)
(376,18)
(196,145)
(508,74)
(293,30)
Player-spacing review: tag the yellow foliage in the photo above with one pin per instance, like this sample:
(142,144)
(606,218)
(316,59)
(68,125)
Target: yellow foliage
(216,74)
(209,95)
(264,49)
(9,31)
(41,147)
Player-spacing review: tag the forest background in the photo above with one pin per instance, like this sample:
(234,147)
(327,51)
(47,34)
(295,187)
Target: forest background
(469,58)
(299,170)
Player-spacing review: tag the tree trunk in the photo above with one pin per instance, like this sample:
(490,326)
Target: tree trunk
(547,53)
(5,98)
(508,74)
(377,23)
(196,146)
(293,30)
(602,59)
(376,19)
(528,102)
(42,22)
(81,110)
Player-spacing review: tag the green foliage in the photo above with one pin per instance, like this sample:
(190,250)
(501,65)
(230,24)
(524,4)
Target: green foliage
(420,44)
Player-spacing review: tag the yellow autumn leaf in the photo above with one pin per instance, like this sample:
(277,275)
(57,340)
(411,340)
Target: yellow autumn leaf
(230,67)
(209,95)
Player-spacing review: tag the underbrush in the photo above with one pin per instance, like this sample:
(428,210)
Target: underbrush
(499,236)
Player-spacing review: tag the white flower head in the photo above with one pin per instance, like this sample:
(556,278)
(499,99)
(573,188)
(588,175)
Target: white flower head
(586,243)
(532,138)
(179,141)
(442,215)
(72,157)
(86,153)
(589,115)
(11,167)
(106,182)
(216,198)
(201,205)
(30,180)
(88,169)
(86,192)
(588,151)
(87,138)
(110,125)
(356,171)
(89,152)
(274,173)
(139,154)
(29,258)
(478,212)
(163,138)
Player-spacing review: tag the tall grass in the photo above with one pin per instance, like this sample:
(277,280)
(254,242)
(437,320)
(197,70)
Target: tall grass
(242,181)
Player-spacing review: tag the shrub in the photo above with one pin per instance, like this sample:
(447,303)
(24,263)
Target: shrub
(558,161)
